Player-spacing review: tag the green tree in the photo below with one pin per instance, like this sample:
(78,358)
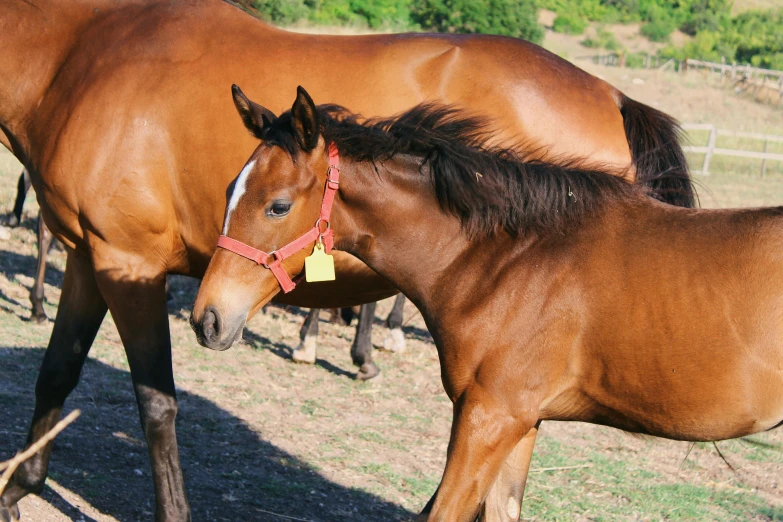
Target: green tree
(506,17)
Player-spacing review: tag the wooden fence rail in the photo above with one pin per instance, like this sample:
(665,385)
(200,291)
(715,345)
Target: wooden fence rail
(711,150)
(743,77)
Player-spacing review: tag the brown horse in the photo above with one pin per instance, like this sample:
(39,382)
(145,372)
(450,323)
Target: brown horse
(626,312)
(118,109)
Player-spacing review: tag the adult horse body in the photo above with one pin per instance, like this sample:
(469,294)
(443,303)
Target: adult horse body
(626,312)
(119,111)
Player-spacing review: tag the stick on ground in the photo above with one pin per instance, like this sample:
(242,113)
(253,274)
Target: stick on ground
(10,465)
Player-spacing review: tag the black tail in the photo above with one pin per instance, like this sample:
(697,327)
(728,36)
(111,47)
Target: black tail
(654,139)
(21,191)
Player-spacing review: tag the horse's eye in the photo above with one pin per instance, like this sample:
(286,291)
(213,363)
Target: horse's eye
(279,209)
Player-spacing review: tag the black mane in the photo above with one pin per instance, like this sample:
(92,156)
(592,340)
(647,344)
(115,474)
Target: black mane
(487,187)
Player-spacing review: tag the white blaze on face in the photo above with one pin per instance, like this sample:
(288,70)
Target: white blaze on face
(239,191)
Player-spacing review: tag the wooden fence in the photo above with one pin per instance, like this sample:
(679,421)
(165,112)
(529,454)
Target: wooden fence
(744,77)
(711,150)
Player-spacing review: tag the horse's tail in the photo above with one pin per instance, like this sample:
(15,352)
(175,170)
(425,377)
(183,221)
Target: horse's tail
(21,191)
(654,139)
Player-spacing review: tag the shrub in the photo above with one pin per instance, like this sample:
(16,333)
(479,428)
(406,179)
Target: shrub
(281,11)
(506,17)
(569,24)
(659,29)
(603,40)
(383,13)
(634,60)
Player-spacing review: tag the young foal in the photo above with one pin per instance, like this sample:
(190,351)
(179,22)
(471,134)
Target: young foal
(626,312)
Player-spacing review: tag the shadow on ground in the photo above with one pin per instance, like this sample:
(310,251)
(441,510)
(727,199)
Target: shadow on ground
(231,472)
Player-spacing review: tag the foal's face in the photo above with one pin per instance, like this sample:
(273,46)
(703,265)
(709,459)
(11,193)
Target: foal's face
(274,200)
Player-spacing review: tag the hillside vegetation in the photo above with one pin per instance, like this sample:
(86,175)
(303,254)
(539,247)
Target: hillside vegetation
(717,28)
(507,17)
(753,36)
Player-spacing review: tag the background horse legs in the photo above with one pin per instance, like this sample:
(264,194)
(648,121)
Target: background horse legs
(305,352)
(44,243)
(361,349)
(395,339)
(37,291)
(21,192)
(78,319)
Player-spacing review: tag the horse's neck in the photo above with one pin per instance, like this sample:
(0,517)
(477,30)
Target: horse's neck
(398,227)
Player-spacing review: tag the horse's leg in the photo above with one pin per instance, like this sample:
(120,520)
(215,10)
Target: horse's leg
(37,291)
(78,319)
(504,500)
(138,306)
(361,349)
(483,435)
(336,317)
(305,352)
(21,192)
(395,340)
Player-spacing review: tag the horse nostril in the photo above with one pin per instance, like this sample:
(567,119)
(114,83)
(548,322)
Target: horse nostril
(210,325)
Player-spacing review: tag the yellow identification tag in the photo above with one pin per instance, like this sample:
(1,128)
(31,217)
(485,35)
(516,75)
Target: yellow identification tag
(319,266)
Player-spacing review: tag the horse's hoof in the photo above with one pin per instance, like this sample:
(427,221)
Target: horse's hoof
(13,221)
(9,514)
(395,341)
(367,371)
(39,317)
(305,352)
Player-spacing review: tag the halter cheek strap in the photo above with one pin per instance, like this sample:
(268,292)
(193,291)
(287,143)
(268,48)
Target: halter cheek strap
(274,260)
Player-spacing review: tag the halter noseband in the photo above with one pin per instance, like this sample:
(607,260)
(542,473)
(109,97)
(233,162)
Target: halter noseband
(274,260)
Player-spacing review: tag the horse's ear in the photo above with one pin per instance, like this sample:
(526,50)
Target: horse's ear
(304,119)
(255,117)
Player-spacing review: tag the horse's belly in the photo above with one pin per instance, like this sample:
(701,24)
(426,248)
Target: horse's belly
(709,399)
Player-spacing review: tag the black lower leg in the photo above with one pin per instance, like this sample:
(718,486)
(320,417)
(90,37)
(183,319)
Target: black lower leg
(395,316)
(361,350)
(310,325)
(79,317)
(139,311)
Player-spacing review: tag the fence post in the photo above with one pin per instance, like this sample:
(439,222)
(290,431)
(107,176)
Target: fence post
(722,68)
(764,160)
(780,89)
(705,168)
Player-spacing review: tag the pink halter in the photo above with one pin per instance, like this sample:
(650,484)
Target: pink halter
(274,260)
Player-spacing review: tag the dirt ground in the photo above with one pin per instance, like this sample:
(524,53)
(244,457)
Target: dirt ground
(262,438)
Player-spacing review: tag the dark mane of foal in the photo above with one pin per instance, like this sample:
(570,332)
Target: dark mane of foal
(487,187)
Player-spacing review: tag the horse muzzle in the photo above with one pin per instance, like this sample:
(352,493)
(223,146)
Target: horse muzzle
(213,332)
